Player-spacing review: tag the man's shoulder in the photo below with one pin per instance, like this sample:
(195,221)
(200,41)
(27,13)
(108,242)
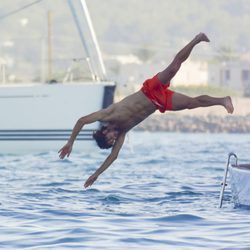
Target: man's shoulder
(109,109)
(106,112)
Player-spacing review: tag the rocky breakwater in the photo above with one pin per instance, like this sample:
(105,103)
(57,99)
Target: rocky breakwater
(196,123)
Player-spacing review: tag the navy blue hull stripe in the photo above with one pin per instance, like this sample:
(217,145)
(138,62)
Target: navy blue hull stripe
(41,130)
(43,139)
(43,135)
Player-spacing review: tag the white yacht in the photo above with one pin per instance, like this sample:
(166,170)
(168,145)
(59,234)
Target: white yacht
(39,116)
(239,181)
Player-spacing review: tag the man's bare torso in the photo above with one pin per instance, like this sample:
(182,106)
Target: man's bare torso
(129,111)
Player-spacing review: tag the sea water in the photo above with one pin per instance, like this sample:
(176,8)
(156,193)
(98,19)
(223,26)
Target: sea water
(162,193)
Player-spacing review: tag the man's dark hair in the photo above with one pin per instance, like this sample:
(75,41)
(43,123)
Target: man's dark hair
(100,138)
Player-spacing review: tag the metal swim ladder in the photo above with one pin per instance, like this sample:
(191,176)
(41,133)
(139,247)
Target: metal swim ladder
(224,182)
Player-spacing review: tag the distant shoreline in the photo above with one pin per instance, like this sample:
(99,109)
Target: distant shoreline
(203,120)
(200,124)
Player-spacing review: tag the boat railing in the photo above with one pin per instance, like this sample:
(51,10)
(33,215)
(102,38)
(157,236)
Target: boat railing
(69,76)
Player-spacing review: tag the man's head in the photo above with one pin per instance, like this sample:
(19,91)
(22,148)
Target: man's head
(106,136)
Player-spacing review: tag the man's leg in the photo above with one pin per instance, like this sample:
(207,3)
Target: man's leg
(180,102)
(166,75)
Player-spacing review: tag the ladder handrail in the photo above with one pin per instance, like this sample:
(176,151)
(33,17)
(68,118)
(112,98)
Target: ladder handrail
(225,177)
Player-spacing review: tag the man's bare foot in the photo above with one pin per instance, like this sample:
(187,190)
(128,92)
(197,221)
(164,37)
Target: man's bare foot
(227,103)
(201,37)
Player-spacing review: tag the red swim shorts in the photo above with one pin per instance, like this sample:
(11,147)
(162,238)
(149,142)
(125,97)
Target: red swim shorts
(158,93)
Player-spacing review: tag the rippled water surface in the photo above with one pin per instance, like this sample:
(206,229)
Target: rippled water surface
(162,193)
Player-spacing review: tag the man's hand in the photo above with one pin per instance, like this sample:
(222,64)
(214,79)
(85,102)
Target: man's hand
(66,150)
(91,180)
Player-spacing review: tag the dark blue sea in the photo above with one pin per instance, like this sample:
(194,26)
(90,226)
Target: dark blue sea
(162,193)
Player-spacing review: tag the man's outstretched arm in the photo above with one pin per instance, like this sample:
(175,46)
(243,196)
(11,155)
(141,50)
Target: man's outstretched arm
(67,148)
(109,160)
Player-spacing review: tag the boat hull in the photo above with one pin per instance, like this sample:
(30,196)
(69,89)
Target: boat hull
(41,117)
(240,184)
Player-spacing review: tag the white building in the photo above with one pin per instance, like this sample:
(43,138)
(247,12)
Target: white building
(193,73)
(232,74)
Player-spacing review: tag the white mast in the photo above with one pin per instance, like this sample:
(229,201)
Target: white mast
(93,35)
(101,71)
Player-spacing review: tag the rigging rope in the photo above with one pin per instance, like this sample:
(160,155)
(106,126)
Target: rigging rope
(20,9)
